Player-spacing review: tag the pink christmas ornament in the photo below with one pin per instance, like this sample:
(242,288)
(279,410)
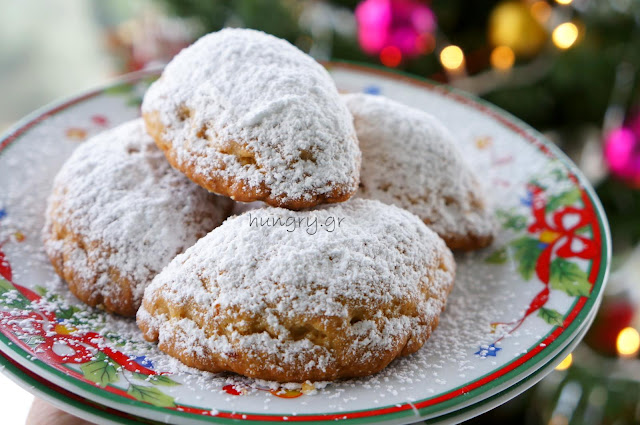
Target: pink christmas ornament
(622,151)
(405,24)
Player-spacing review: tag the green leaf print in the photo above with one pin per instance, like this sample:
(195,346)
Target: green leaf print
(11,297)
(564,199)
(551,316)
(102,371)
(568,277)
(512,220)
(526,253)
(499,256)
(161,380)
(150,395)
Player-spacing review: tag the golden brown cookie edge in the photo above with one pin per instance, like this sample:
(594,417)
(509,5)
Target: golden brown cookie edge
(237,189)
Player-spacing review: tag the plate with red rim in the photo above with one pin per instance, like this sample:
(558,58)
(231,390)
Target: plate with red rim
(516,305)
(99,414)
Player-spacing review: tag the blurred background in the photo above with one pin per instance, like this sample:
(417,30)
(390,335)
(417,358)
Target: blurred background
(568,67)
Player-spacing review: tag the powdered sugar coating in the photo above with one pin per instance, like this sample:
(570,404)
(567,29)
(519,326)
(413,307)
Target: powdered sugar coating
(276,302)
(119,213)
(410,160)
(249,115)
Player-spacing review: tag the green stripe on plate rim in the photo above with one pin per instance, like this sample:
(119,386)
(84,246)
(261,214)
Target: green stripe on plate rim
(50,392)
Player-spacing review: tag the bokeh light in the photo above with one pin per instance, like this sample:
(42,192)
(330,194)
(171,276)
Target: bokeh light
(502,58)
(391,56)
(541,10)
(622,151)
(628,342)
(401,24)
(452,58)
(513,24)
(426,43)
(565,35)
(566,363)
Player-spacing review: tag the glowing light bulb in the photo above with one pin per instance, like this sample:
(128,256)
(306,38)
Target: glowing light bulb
(565,35)
(502,58)
(566,363)
(564,2)
(452,58)
(628,342)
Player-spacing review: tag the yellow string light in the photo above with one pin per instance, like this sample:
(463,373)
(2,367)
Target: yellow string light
(565,35)
(502,58)
(566,363)
(628,342)
(452,58)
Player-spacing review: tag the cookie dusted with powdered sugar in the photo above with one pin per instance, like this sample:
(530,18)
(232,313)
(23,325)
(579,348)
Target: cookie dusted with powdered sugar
(247,115)
(119,213)
(291,296)
(410,160)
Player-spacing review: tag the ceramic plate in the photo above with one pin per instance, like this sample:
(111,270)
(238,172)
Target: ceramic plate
(102,415)
(516,304)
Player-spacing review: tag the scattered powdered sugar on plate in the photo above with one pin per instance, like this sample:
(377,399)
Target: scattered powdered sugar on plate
(462,327)
(457,333)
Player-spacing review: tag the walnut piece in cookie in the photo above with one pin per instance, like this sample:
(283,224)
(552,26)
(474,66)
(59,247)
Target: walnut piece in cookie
(119,213)
(247,115)
(409,159)
(289,296)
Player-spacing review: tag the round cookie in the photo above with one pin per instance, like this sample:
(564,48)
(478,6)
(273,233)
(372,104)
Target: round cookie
(410,160)
(289,296)
(119,213)
(247,115)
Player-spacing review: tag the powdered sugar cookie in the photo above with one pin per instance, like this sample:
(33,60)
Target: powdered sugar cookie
(410,160)
(247,115)
(292,296)
(119,213)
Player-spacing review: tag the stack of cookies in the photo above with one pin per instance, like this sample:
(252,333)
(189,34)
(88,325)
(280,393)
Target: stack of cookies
(344,266)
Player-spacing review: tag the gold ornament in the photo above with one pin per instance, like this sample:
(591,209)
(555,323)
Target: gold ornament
(512,24)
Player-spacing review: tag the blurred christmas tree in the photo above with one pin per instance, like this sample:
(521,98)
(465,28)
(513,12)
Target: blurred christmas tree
(569,68)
